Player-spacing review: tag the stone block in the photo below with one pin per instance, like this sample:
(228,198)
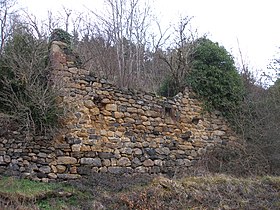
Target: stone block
(148,163)
(124,161)
(63,146)
(54,169)
(141,169)
(150,151)
(42,155)
(136,162)
(94,111)
(137,151)
(52,176)
(187,162)
(163,150)
(154,169)
(219,133)
(84,170)
(132,110)
(185,146)
(66,160)
(118,115)
(89,104)
(68,176)
(141,127)
(127,151)
(111,107)
(94,137)
(2,160)
(193,153)
(115,170)
(158,162)
(60,168)
(91,161)
(144,118)
(106,162)
(7,158)
(201,151)
(106,155)
(73,170)
(76,147)
(103,169)
(199,143)
(85,148)
(129,120)
(45,169)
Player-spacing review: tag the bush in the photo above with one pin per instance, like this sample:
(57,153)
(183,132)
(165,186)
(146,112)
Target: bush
(214,77)
(168,88)
(61,35)
(25,92)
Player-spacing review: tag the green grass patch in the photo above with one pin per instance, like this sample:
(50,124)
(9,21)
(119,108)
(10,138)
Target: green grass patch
(30,189)
(27,194)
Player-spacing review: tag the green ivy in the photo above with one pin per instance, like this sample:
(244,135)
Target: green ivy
(168,88)
(61,35)
(214,77)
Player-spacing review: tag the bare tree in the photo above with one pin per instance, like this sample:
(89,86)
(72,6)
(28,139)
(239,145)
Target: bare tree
(125,24)
(68,13)
(6,14)
(25,92)
(179,56)
(275,66)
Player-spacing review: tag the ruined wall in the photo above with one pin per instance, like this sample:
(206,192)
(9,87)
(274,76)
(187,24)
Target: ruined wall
(117,131)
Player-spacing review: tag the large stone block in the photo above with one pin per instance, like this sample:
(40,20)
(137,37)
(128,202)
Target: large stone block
(106,155)
(91,161)
(69,176)
(115,170)
(66,160)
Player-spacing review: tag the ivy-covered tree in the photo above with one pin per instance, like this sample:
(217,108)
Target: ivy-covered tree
(214,76)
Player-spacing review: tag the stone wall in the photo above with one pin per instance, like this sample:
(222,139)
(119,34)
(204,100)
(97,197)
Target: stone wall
(107,129)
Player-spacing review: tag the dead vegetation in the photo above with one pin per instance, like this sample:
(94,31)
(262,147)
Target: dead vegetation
(103,191)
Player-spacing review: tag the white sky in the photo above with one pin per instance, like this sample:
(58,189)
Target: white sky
(253,22)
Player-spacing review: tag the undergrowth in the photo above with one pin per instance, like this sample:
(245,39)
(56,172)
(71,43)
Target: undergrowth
(103,191)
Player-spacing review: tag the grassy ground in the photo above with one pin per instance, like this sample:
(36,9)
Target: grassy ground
(143,192)
(26,194)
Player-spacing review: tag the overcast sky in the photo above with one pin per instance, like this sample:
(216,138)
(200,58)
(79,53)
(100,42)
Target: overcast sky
(255,23)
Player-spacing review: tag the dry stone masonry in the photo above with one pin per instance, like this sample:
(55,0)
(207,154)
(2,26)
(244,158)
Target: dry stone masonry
(107,129)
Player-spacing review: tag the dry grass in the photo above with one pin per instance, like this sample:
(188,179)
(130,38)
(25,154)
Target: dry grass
(207,192)
(216,191)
